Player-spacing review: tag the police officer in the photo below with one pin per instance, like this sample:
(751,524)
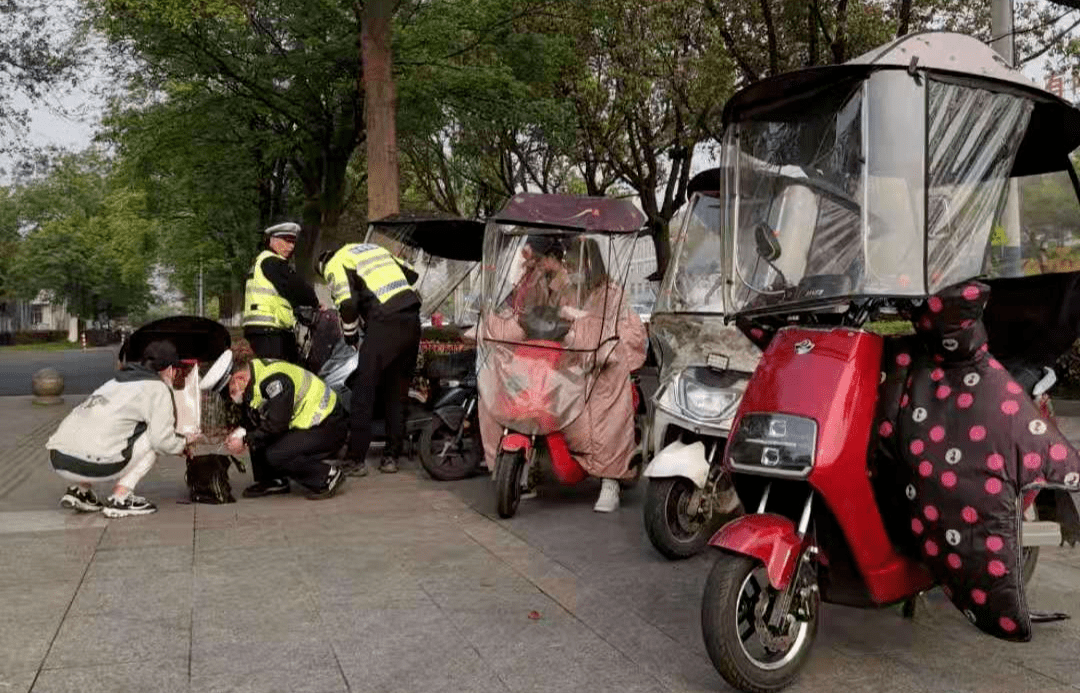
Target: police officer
(368,283)
(293,423)
(275,295)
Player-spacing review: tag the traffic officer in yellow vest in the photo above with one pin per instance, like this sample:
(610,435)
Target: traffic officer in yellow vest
(275,295)
(368,283)
(293,423)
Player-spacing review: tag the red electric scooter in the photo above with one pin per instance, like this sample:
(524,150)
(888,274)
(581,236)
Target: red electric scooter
(536,374)
(847,197)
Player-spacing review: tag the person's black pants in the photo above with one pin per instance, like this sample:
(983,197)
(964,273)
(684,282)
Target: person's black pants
(273,344)
(385,367)
(300,454)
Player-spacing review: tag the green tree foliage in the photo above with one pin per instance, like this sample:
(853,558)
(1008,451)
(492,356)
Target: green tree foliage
(86,237)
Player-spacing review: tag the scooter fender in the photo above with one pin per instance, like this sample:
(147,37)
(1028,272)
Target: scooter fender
(513,442)
(451,416)
(680,459)
(766,537)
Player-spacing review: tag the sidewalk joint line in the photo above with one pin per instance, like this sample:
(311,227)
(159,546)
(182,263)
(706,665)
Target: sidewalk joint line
(67,610)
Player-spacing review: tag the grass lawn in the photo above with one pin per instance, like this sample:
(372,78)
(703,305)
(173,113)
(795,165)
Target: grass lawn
(42,346)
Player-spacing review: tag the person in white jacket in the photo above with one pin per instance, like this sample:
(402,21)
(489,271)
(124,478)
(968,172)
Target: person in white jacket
(117,434)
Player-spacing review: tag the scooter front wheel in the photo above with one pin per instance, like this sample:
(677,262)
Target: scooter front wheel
(751,653)
(673,527)
(508,468)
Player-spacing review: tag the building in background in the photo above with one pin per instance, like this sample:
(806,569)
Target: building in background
(41,314)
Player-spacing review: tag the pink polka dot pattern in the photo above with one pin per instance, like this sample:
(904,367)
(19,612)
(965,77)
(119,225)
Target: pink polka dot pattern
(1007,624)
(978,596)
(970,515)
(917,447)
(885,429)
(948,480)
(943,392)
(993,486)
(1014,388)
(1058,452)
(994,543)
(996,568)
(930,547)
(916,526)
(971,293)
(965,400)
(903,359)
(925,468)
(977,433)
(930,513)
(954,561)
(996,365)
(995,462)
(937,375)
(937,434)
(1032,460)
(1009,407)
(935,304)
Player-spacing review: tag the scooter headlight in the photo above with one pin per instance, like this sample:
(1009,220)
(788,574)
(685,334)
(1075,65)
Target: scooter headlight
(705,402)
(699,394)
(773,444)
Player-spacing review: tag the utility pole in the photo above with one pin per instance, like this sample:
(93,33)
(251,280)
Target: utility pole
(202,312)
(1001,29)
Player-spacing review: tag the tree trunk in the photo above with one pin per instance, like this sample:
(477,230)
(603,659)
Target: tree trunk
(904,16)
(379,109)
(661,238)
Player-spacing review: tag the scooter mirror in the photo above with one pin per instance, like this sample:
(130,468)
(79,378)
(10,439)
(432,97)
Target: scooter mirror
(768,247)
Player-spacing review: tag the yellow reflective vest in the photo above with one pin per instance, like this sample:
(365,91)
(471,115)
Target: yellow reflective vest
(313,400)
(263,305)
(374,264)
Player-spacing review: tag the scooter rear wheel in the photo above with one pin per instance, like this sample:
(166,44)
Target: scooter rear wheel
(446,462)
(748,653)
(508,468)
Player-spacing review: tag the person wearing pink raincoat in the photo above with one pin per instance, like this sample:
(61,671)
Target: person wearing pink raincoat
(601,437)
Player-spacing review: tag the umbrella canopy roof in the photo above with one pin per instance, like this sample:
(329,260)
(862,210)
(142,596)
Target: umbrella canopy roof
(196,338)
(572,212)
(454,238)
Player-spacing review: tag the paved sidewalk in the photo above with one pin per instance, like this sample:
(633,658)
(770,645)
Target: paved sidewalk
(404,584)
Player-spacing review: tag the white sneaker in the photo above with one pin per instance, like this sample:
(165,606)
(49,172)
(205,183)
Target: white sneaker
(608,502)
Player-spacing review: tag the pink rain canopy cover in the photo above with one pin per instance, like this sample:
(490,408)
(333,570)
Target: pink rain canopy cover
(557,337)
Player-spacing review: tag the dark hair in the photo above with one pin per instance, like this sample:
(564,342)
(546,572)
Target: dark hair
(546,245)
(159,355)
(592,261)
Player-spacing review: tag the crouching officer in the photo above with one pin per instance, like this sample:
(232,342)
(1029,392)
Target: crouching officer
(275,295)
(293,423)
(368,283)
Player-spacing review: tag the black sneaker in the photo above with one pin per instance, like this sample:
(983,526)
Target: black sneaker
(388,466)
(355,469)
(132,505)
(80,499)
(333,484)
(266,488)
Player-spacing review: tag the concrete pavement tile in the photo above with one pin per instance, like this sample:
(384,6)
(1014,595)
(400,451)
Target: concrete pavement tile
(135,536)
(247,535)
(962,667)
(49,520)
(152,560)
(24,643)
(254,653)
(167,594)
(17,683)
(297,677)
(409,650)
(249,589)
(161,676)
(240,559)
(36,600)
(111,639)
(828,670)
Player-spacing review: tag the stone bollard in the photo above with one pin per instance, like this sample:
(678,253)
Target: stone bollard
(48,385)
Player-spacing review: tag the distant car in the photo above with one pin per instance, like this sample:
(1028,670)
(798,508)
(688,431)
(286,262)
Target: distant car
(644,312)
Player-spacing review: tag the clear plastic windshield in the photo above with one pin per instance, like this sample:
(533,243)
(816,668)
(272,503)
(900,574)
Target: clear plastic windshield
(890,187)
(552,305)
(439,276)
(694,279)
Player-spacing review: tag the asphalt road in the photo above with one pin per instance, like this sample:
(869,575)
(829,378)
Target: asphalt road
(83,371)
